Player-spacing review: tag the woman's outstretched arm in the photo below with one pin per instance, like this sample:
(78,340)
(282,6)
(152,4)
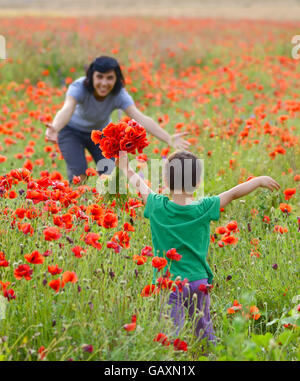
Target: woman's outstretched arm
(155,129)
(61,119)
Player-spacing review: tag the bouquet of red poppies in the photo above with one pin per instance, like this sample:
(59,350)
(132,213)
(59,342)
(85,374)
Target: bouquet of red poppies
(127,136)
(124,136)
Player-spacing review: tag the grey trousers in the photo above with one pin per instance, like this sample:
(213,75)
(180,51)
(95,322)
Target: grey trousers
(72,144)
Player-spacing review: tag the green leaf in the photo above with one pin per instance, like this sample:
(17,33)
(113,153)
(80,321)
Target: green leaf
(272,322)
(262,340)
(285,337)
(291,320)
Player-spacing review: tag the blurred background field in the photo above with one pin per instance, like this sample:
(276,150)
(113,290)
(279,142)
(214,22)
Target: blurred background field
(231,9)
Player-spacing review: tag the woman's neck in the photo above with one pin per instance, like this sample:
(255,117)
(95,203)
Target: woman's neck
(182,199)
(100,99)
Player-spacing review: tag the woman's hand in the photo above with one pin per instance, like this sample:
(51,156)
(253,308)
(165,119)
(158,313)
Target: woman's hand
(176,141)
(156,130)
(51,133)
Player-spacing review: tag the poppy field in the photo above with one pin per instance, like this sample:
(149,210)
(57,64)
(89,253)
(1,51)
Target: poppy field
(75,269)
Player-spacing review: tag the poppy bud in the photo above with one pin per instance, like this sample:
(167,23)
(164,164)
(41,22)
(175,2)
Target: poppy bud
(112,274)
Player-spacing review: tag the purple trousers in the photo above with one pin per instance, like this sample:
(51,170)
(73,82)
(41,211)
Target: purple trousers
(198,309)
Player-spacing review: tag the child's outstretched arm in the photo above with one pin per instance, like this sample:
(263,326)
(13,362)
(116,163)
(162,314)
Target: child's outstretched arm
(133,177)
(246,188)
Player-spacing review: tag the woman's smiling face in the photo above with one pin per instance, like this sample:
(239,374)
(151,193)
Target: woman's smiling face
(103,83)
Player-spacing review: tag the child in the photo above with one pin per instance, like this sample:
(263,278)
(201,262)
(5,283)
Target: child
(183,224)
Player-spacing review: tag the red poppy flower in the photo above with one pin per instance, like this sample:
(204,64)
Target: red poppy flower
(124,136)
(56,284)
(54,270)
(180,345)
(232,226)
(114,245)
(91,172)
(163,339)
(180,284)
(164,283)
(23,271)
(254,313)
(132,325)
(12,194)
(3,261)
(159,263)
(139,259)
(122,238)
(2,158)
(41,352)
(142,158)
(35,258)
(147,251)
(69,276)
(172,254)
(9,294)
(221,230)
(236,307)
(128,227)
(96,211)
(51,234)
(4,285)
(27,229)
(280,229)
(230,240)
(76,179)
(77,250)
(285,208)
(149,290)
(109,220)
(92,239)
(96,136)
(203,288)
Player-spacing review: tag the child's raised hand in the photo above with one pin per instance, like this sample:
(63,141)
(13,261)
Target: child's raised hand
(268,182)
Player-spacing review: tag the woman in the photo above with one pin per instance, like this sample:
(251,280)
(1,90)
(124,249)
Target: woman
(88,106)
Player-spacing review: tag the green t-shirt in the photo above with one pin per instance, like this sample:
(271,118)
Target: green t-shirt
(185,228)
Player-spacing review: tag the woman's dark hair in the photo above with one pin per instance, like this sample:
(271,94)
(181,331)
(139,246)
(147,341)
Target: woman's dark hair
(104,64)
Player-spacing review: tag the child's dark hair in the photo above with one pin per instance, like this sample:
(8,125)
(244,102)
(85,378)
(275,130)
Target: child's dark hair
(182,171)
(104,64)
